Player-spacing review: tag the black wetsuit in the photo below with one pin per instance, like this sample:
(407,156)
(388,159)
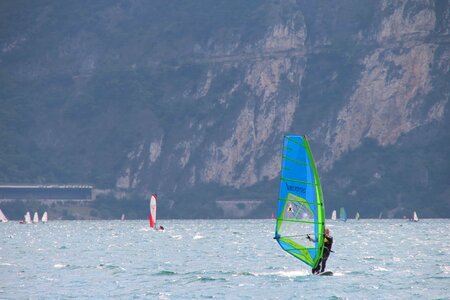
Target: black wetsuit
(327,243)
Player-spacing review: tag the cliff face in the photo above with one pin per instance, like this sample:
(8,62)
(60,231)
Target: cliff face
(393,85)
(197,97)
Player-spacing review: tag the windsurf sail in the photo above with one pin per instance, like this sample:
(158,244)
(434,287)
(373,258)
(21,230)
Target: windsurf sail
(415,218)
(357,216)
(27,218)
(152,216)
(333,215)
(45,217)
(3,218)
(123,217)
(300,210)
(35,217)
(343,214)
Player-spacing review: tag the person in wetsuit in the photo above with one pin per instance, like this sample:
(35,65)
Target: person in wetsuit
(327,243)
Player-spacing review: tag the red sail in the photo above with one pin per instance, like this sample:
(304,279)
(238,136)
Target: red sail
(152,222)
(152,216)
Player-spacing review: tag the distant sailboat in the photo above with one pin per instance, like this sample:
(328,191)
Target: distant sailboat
(152,216)
(357,216)
(3,218)
(415,218)
(333,215)
(44,217)
(27,218)
(123,217)
(35,218)
(380,215)
(343,214)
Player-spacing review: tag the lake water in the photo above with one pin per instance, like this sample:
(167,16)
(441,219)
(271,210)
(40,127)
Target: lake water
(220,259)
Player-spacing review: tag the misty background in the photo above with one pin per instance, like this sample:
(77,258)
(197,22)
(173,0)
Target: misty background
(191,100)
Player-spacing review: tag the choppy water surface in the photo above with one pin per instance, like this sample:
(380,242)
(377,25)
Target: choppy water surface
(231,259)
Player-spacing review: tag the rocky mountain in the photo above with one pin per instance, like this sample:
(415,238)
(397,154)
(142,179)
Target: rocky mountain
(191,99)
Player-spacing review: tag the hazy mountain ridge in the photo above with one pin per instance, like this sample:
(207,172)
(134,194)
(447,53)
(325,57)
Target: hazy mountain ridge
(193,99)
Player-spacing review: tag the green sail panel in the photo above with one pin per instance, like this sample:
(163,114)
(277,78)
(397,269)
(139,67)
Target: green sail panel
(300,209)
(343,214)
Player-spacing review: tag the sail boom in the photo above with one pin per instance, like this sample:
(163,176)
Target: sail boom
(298,248)
(300,221)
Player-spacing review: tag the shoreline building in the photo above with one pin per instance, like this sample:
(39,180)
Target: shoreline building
(47,193)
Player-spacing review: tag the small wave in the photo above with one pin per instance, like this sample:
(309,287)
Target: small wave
(177,237)
(165,272)
(207,279)
(164,295)
(109,267)
(380,269)
(351,272)
(198,237)
(369,258)
(289,274)
(440,277)
(49,279)
(67,266)
(245,284)
(151,229)
(245,274)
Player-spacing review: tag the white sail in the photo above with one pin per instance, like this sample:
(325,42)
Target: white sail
(123,217)
(27,218)
(152,216)
(45,217)
(333,215)
(415,218)
(36,218)
(3,218)
(357,216)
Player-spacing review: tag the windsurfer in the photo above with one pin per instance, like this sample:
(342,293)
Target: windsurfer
(327,243)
